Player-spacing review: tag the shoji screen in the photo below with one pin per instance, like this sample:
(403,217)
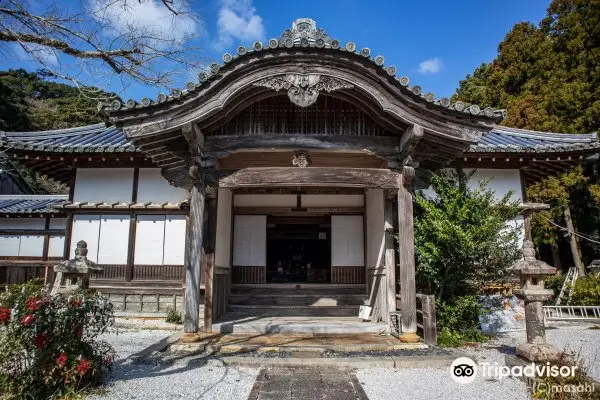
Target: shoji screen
(149,240)
(174,240)
(347,241)
(114,239)
(250,240)
(86,227)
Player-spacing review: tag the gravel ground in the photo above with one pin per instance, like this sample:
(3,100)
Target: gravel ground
(425,383)
(184,378)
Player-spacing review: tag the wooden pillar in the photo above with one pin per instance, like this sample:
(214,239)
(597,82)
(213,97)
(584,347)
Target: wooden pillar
(406,245)
(390,258)
(193,258)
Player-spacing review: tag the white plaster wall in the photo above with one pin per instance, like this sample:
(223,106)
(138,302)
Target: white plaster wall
(250,240)
(113,242)
(56,246)
(23,223)
(333,200)
(103,184)
(375,227)
(58,223)
(224,221)
(264,200)
(501,182)
(86,227)
(174,250)
(518,224)
(149,240)
(347,240)
(152,187)
(31,246)
(9,246)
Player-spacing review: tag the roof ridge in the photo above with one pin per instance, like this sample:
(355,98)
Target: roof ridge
(570,137)
(75,129)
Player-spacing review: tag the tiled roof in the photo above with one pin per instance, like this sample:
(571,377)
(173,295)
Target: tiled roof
(100,139)
(512,140)
(85,139)
(303,34)
(30,204)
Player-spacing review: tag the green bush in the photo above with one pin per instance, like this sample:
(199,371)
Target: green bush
(173,316)
(555,283)
(49,345)
(458,321)
(586,292)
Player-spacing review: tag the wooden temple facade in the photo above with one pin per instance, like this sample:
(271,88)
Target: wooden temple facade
(291,162)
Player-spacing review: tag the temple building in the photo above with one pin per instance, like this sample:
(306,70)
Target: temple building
(273,186)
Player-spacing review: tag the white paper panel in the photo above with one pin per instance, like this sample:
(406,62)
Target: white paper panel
(375,231)
(31,246)
(86,227)
(250,240)
(9,246)
(149,240)
(104,184)
(333,200)
(347,240)
(264,200)
(114,239)
(56,246)
(58,223)
(174,250)
(22,223)
(223,243)
(154,188)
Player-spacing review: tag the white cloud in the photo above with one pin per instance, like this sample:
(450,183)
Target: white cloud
(431,66)
(238,20)
(35,52)
(149,16)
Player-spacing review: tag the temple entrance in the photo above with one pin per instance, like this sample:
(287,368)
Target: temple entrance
(299,249)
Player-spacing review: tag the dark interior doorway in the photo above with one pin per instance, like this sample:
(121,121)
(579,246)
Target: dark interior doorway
(298,249)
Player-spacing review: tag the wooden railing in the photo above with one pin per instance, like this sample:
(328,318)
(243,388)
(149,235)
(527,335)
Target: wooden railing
(121,272)
(20,271)
(426,319)
(348,275)
(248,274)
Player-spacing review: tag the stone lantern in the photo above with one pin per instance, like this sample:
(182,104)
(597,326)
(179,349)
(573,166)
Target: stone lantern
(74,274)
(532,273)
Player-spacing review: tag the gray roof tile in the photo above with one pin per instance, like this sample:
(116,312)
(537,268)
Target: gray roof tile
(31,204)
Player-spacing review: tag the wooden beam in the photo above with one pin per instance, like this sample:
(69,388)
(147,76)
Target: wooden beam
(409,140)
(406,244)
(193,258)
(376,144)
(315,176)
(390,257)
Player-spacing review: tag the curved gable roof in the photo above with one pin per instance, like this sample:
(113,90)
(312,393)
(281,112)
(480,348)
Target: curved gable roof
(100,138)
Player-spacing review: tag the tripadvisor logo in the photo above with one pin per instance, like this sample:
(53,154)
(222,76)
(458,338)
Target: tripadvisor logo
(464,370)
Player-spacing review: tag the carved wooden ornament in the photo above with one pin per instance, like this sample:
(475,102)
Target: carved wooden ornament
(303,90)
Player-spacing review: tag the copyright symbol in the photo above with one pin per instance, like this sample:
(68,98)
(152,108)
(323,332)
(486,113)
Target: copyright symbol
(541,388)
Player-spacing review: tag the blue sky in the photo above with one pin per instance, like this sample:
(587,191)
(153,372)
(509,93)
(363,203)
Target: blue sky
(434,43)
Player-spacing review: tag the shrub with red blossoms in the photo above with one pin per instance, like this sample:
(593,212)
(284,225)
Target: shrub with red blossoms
(5,314)
(43,352)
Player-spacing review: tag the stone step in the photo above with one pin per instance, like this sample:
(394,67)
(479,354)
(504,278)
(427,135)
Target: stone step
(304,289)
(311,300)
(296,325)
(293,311)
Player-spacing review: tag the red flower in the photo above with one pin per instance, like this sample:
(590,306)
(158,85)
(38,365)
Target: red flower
(61,360)
(82,367)
(34,303)
(4,315)
(41,340)
(27,319)
(79,332)
(76,302)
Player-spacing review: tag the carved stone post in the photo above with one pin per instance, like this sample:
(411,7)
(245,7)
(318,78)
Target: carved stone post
(532,273)
(193,256)
(406,245)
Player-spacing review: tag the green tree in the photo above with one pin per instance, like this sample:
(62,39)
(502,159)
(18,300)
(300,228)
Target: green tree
(461,237)
(546,76)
